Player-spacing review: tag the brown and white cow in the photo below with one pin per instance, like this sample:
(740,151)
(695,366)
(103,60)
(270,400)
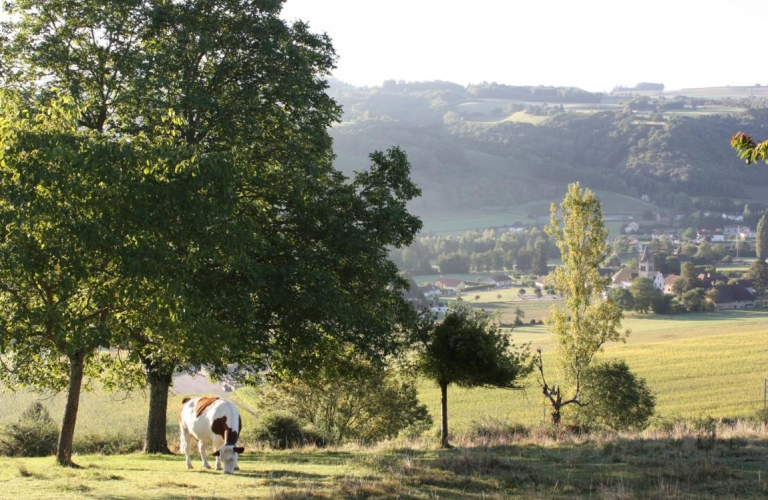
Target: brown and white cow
(215,420)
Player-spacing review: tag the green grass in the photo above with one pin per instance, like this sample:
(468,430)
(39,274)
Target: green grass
(680,462)
(523,117)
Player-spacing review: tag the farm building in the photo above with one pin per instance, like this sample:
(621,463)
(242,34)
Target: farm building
(733,297)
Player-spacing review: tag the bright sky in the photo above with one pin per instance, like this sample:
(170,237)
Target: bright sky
(591,44)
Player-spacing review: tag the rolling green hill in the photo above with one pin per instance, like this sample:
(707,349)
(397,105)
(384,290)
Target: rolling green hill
(496,148)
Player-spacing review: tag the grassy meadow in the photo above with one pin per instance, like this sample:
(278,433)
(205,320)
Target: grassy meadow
(699,366)
(699,461)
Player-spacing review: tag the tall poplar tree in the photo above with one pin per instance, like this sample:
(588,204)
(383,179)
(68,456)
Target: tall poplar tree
(587,321)
(761,241)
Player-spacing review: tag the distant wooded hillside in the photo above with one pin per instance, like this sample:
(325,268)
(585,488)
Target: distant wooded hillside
(492,145)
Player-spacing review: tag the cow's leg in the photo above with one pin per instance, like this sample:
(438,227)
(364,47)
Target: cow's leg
(201,449)
(186,445)
(217,443)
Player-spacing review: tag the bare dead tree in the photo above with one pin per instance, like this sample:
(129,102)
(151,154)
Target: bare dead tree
(553,393)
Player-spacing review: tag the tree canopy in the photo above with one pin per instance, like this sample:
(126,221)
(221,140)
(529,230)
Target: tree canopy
(469,350)
(192,186)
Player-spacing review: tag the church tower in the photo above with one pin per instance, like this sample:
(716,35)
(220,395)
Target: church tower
(645,264)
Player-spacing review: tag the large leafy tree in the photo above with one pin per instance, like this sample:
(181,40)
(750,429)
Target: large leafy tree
(469,350)
(59,248)
(252,249)
(643,293)
(587,321)
(689,279)
(622,297)
(617,397)
(758,275)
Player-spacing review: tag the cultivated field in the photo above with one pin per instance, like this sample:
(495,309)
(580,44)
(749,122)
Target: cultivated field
(697,365)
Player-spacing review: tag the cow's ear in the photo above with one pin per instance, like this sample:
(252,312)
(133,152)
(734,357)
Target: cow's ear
(216,453)
(239,449)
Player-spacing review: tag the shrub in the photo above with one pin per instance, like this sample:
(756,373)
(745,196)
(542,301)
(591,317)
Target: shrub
(281,430)
(35,435)
(115,443)
(491,428)
(615,398)
(350,399)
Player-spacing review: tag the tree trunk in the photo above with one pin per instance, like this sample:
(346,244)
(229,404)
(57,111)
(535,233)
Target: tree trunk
(67,433)
(159,379)
(444,415)
(556,415)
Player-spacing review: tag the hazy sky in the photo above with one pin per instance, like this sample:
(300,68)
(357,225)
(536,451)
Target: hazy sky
(592,44)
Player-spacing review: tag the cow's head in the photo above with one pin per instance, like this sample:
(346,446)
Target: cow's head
(228,455)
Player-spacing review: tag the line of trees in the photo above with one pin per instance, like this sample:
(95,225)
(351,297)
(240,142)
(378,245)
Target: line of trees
(490,250)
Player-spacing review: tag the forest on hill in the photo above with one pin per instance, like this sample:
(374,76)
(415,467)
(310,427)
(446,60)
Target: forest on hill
(493,145)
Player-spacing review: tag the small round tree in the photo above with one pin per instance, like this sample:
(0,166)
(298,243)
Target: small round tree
(468,350)
(615,397)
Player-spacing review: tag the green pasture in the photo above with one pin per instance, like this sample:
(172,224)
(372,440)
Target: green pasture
(523,117)
(443,222)
(617,209)
(698,365)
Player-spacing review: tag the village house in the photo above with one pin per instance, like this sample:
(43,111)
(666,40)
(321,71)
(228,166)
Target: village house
(733,297)
(450,284)
(709,280)
(663,217)
(657,235)
(500,280)
(542,281)
(734,217)
(747,233)
(623,278)
(669,282)
(632,227)
(429,290)
(709,235)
